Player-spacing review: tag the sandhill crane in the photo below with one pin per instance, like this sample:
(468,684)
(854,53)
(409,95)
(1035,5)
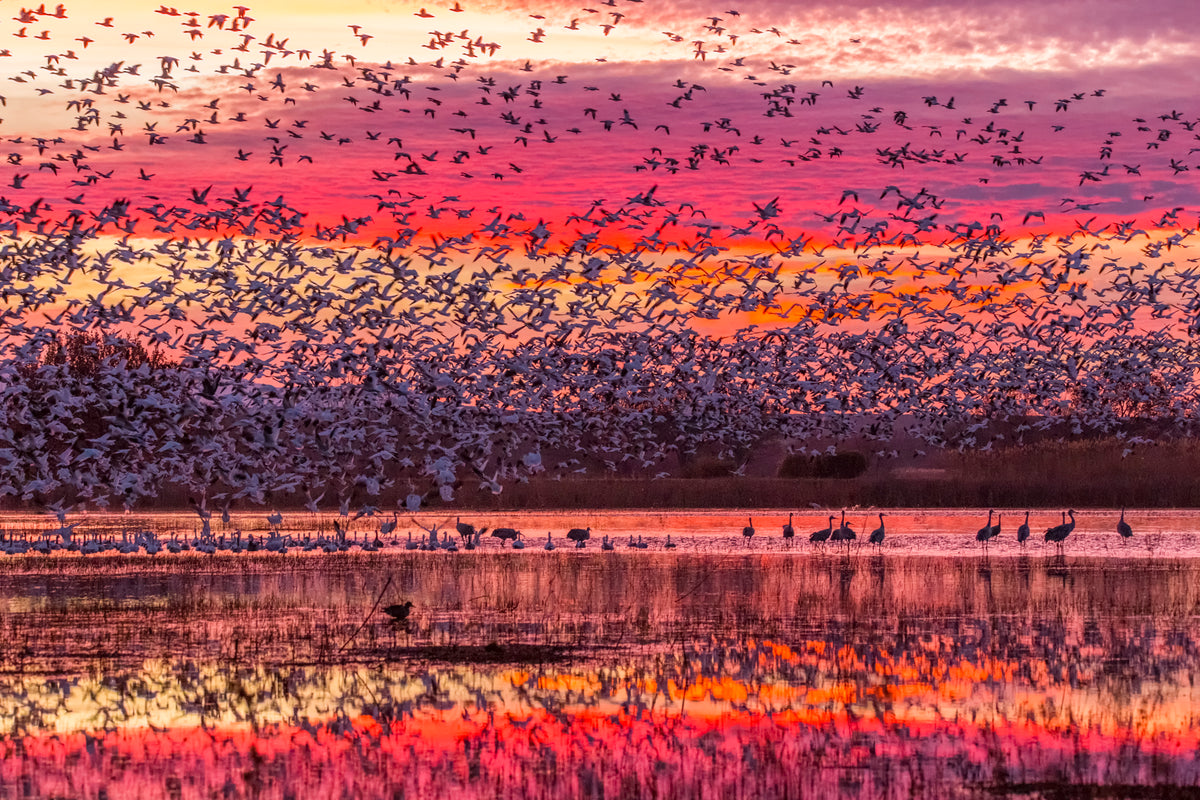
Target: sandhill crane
(788,531)
(466,530)
(1059,533)
(988,531)
(748,531)
(1023,531)
(580,535)
(822,536)
(507,535)
(1123,526)
(876,537)
(843,532)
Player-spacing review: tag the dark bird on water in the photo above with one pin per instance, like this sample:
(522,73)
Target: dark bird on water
(988,531)
(1023,531)
(1059,533)
(399,612)
(1123,526)
(843,533)
(823,534)
(466,530)
(877,535)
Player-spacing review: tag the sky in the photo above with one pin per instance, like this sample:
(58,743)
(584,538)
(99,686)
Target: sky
(995,108)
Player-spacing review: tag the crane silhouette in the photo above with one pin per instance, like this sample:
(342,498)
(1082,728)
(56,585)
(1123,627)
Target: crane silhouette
(1123,526)
(876,537)
(1059,533)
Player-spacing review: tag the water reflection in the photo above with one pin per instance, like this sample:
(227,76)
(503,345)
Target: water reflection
(588,676)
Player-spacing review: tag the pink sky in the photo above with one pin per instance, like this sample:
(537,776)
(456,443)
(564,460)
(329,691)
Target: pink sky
(608,130)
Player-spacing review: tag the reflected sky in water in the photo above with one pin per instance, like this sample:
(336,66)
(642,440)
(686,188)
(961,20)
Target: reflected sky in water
(598,675)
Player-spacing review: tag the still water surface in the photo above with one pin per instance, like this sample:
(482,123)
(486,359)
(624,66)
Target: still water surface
(716,670)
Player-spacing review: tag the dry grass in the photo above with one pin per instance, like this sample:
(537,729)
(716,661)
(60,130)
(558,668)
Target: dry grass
(1082,473)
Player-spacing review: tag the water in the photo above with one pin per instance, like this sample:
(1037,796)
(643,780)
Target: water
(740,672)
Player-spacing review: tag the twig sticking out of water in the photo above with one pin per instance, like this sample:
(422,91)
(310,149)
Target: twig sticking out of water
(370,613)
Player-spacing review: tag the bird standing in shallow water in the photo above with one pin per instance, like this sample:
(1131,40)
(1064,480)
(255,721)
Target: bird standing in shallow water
(987,531)
(843,532)
(876,537)
(1123,526)
(822,536)
(1059,533)
(788,530)
(400,612)
(748,531)
(1023,531)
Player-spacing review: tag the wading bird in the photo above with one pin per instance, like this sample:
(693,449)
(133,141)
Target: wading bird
(1023,531)
(876,537)
(1059,533)
(822,536)
(984,534)
(400,612)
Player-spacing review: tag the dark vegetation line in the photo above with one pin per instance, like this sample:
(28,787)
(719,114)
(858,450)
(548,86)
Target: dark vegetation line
(1082,474)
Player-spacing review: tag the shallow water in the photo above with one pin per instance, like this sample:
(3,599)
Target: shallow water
(590,674)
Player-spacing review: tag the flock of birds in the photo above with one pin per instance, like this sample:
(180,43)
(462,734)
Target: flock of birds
(228,340)
(437,537)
